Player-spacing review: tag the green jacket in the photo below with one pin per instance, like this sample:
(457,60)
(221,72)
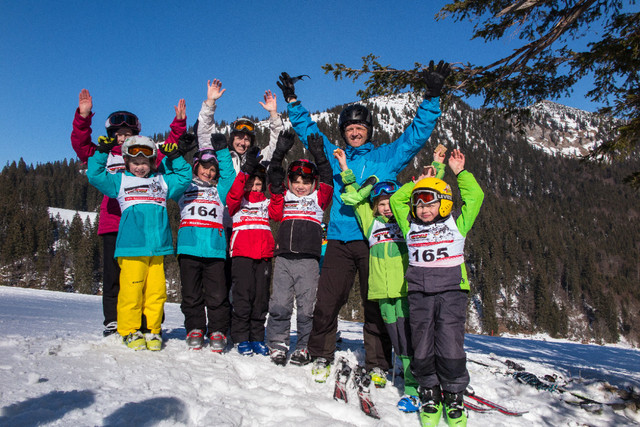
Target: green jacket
(387,261)
(427,279)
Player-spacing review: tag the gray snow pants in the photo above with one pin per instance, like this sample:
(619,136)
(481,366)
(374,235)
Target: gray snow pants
(292,278)
(437,334)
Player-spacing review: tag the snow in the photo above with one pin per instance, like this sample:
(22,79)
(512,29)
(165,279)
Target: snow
(66,215)
(56,369)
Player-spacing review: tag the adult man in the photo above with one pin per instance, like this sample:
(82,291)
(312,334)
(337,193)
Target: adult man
(347,251)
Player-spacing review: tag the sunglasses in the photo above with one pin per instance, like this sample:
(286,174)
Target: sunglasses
(243,126)
(303,169)
(123,119)
(137,150)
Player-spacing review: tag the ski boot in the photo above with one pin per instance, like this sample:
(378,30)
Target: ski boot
(430,406)
(259,347)
(378,377)
(278,356)
(195,339)
(217,342)
(300,357)
(110,329)
(454,409)
(135,341)
(321,370)
(153,342)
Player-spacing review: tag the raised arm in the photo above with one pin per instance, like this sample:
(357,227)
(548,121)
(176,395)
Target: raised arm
(81,132)
(206,124)
(400,207)
(276,124)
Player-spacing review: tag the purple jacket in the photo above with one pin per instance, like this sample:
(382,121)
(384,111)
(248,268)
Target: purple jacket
(84,148)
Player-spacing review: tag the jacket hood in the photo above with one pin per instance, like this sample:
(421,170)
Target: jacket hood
(352,152)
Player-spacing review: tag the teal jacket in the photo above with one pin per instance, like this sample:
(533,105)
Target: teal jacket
(387,261)
(209,242)
(144,228)
(384,161)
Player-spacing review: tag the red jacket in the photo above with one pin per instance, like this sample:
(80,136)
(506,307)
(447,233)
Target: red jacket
(256,243)
(84,148)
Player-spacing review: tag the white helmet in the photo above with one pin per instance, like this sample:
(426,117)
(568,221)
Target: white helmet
(139,145)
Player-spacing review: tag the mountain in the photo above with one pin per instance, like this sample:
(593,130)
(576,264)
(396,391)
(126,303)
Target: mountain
(554,249)
(57,370)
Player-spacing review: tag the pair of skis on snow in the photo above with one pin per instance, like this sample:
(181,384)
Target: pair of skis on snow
(361,381)
(477,403)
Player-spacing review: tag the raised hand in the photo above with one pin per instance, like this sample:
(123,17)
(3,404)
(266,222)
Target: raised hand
(341,156)
(456,161)
(214,90)
(439,153)
(287,87)
(218,141)
(106,144)
(251,161)
(85,103)
(434,78)
(286,139)
(316,146)
(171,150)
(270,103)
(181,110)
(187,142)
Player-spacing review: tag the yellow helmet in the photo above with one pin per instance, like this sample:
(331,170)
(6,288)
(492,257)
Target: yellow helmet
(431,190)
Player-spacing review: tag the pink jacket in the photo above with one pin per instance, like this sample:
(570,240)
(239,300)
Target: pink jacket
(84,148)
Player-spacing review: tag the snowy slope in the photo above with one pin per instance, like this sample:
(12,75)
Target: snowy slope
(55,369)
(66,215)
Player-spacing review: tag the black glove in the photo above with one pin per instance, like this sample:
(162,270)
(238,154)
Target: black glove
(171,150)
(286,140)
(316,146)
(372,180)
(187,142)
(276,177)
(251,160)
(106,144)
(286,85)
(434,78)
(218,142)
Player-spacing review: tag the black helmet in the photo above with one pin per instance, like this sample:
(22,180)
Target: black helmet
(356,114)
(120,119)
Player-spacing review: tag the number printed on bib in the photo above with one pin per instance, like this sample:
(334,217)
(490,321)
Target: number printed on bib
(435,245)
(201,207)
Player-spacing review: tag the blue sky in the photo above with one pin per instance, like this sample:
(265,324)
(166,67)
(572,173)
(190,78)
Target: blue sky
(144,56)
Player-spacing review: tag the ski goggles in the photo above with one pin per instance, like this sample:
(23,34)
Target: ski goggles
(122,119)
(384,188)
(427,197)
(137,150)
(244,126)
(206,156)
(302,169)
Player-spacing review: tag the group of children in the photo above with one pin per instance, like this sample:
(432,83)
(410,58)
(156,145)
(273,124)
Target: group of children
(416,262)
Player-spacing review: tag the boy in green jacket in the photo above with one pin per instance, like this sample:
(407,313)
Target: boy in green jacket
(438,287)
(387,261)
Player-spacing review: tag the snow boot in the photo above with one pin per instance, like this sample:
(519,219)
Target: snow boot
(454,409)
(217,342)
(430,406)
(135,341)
(244,348)
(321,370)
(300,357)
(378,377)
(110,329)
(195,339)
(153,342)
(409,403)
(279,356)
(259,347)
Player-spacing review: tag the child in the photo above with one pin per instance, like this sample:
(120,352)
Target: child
(387,262)
(251,250)
(438,286)
(307,194)
(202,247)
(119,125)
(145,235)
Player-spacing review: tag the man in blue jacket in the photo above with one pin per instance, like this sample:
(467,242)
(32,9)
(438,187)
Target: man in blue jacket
(347,250)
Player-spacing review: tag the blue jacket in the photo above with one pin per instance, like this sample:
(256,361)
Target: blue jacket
(144,228)
(384,161)
(209,242)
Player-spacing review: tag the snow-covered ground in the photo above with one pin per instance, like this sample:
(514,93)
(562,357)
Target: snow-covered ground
(56,369)
(66,215)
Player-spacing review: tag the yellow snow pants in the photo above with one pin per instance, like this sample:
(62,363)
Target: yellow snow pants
(142,290)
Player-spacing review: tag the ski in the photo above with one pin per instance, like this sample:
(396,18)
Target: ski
(343,372)
(362,381)
(493,405)
(477,408)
